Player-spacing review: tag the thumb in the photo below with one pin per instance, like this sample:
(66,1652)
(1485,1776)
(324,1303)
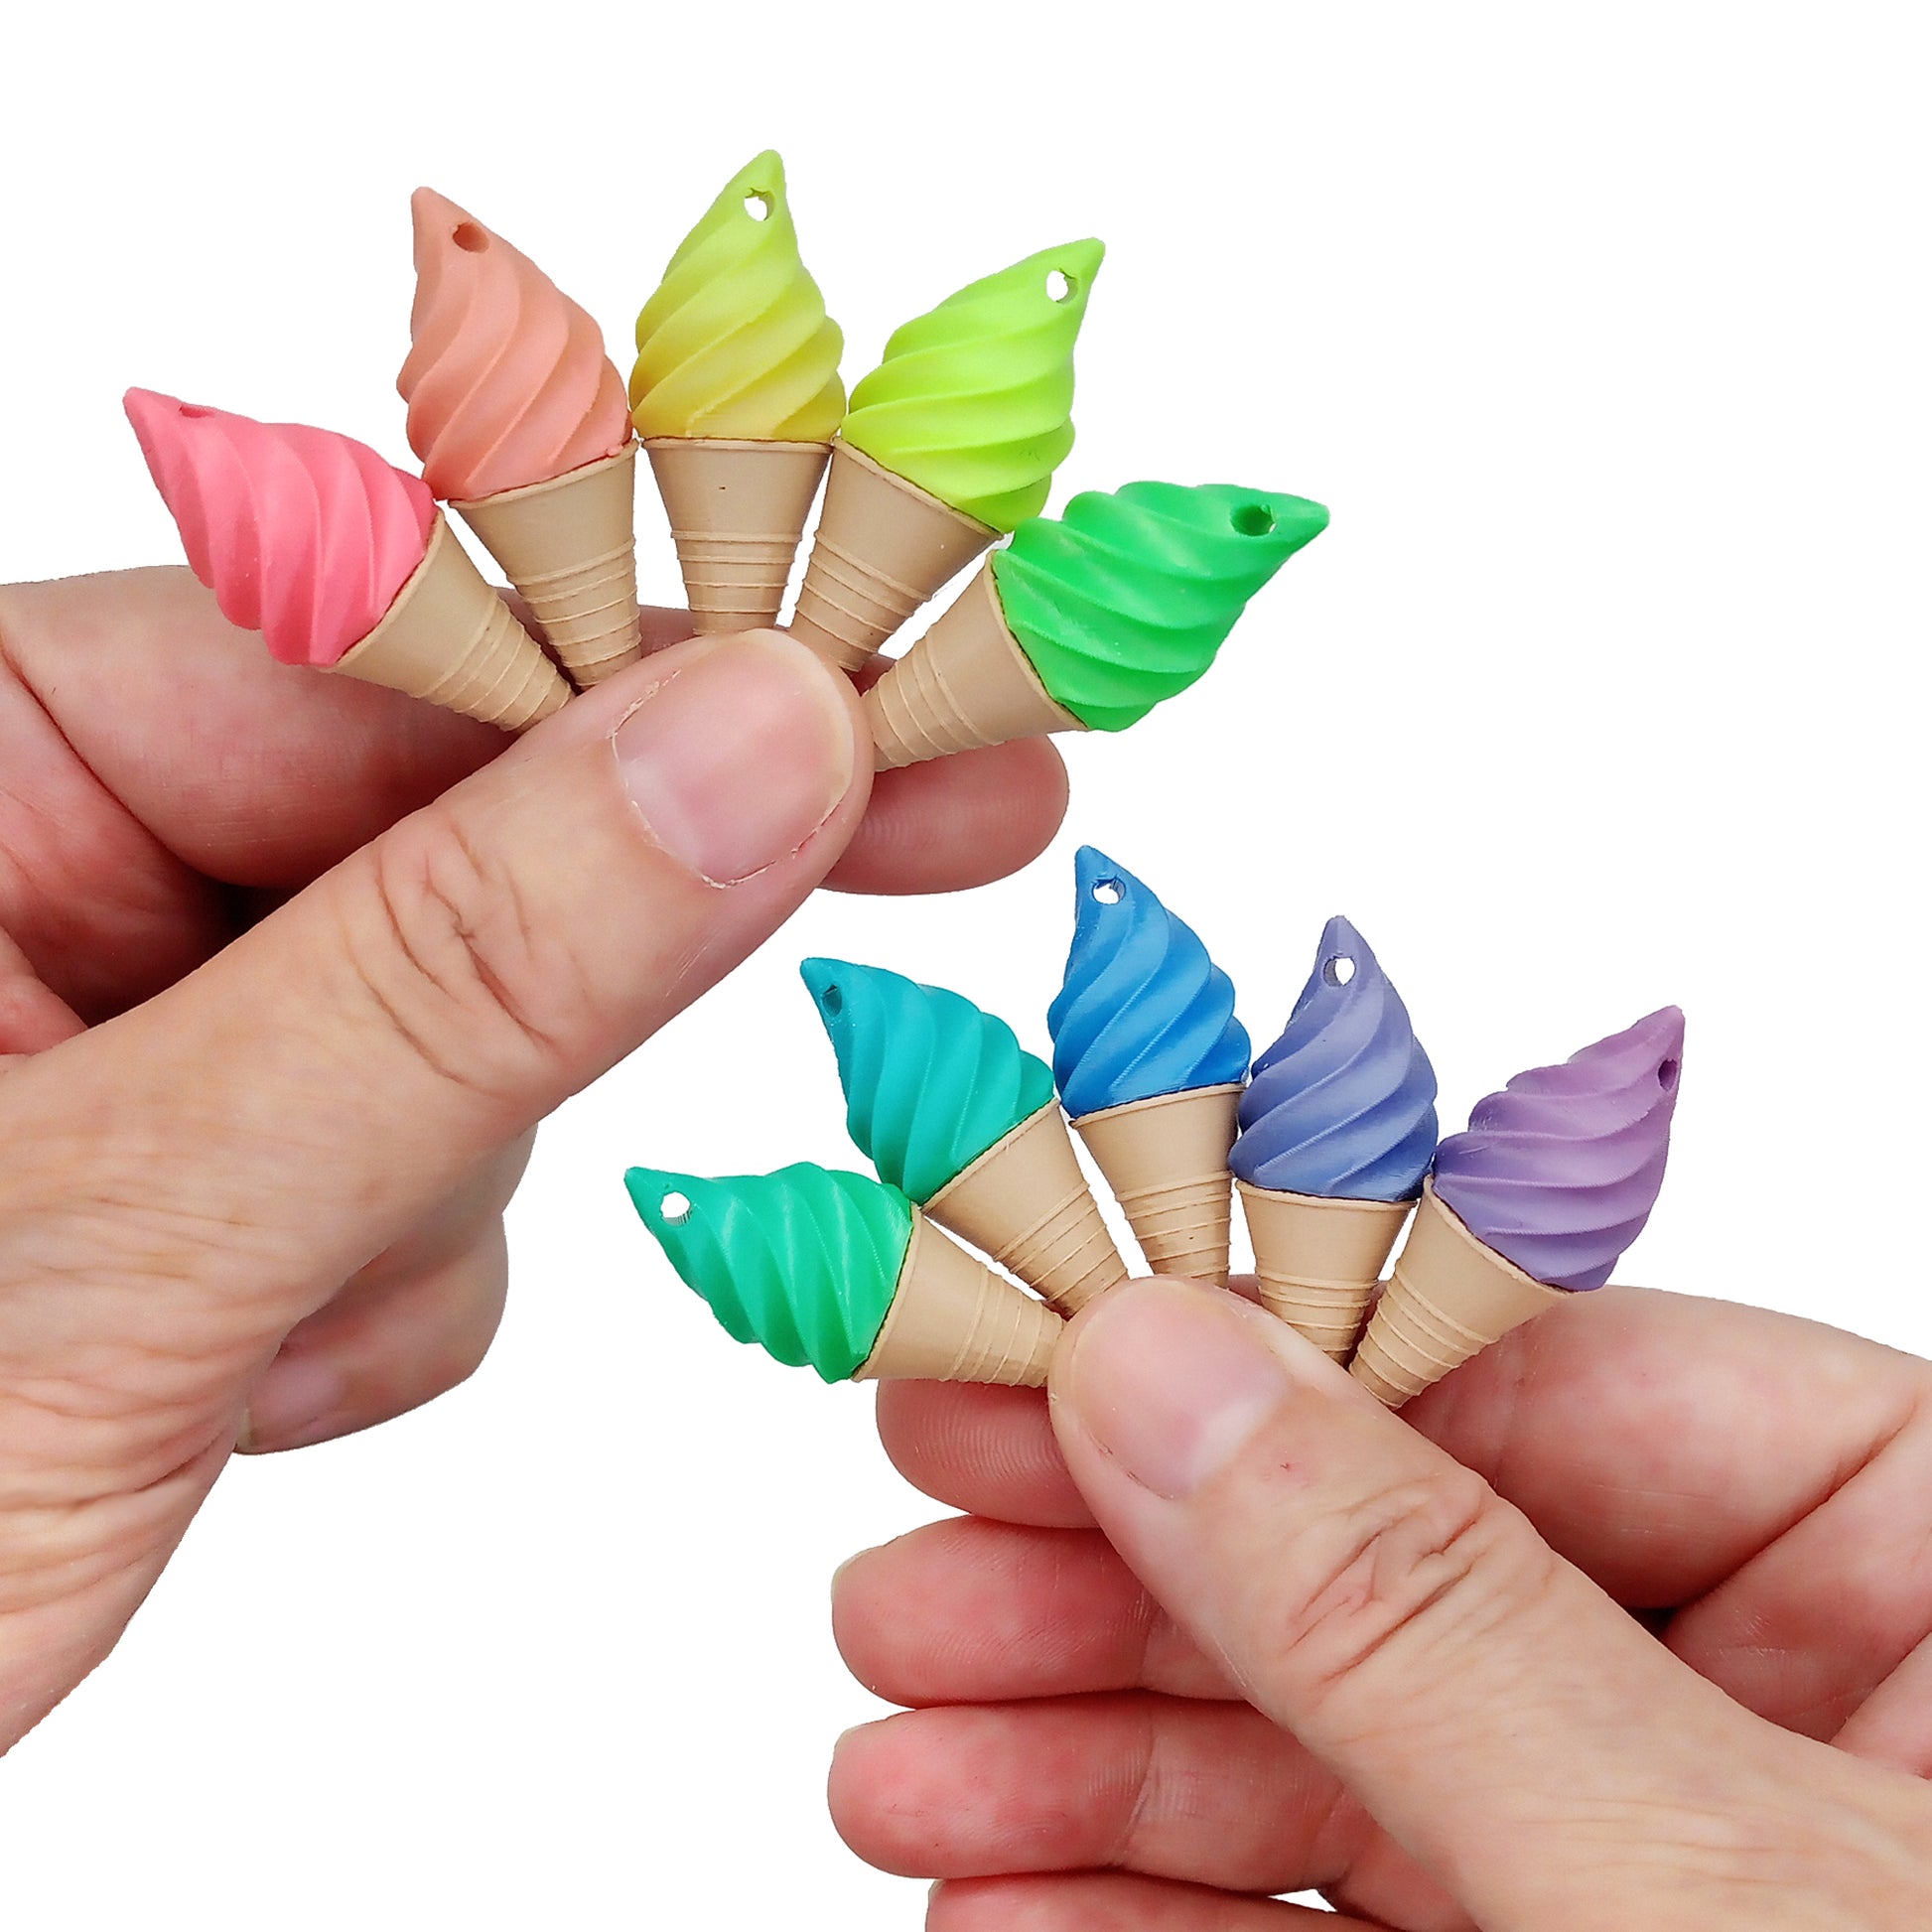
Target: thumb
(1518,1733)
(247,1140)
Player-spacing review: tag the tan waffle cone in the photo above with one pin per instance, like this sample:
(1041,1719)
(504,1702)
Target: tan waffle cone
(1025,1202)
(1450,1296)
(953,1320)
(450,638)
(569,548)
(964,684)
(1319,1259)
(737,510)
(882,548)
(1166,1160)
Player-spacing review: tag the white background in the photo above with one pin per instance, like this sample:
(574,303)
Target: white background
(1601,330)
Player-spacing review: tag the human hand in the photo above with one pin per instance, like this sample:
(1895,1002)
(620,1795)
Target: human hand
(1447,1721)
(255,1166)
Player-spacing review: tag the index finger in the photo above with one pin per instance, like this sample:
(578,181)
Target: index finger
(1659,1442)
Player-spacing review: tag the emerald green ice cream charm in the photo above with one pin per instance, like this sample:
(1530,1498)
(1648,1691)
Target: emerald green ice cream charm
(842,1274)
(1087,621)
(951,442)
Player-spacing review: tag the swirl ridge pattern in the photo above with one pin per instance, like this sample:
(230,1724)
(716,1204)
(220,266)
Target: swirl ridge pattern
(973,401)
(1125,599)
(507,379)
(302,534)
(735,341)
(1141,1011)
(931,1081)
(1343,1103)
(804,1262)
(1559,1171)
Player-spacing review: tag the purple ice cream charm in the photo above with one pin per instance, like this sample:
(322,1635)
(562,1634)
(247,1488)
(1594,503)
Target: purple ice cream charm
(1559,1171)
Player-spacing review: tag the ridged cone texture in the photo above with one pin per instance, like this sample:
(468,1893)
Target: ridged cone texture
(1124,598)
(883,547)
(507,379)
(973,401)
(451,640)
(1317,1259)
(736,342)
(1027,1204)
(965,684)
(1166,1162)
(568,545)
(804,1262)
(1448,1299)
(953,1320)
(737,512)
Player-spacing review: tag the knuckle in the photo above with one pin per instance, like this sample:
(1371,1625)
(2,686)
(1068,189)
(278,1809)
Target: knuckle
(1417,1569)
(447,950)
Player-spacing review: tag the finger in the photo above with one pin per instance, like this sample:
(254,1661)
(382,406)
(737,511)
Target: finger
(33,1017)
(1373,1597)
(990,1452)
(242,769)
(1210,1793)
(1091,1901)
(957,822)
(411,1326)
(1894,1726)
(1809,1629)
(100,910)
(1713,1428)
(968,1612)
(263,1129)
(258,774)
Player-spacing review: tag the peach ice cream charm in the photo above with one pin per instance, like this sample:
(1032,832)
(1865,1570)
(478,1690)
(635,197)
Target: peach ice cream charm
(522,426)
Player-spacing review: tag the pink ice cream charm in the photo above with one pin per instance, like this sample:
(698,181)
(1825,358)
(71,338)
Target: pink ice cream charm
(340,559)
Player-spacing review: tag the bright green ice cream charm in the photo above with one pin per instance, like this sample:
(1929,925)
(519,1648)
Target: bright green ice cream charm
(843,1275)
(944,1102)
(737,394)
(973,400)
(1087,621)
(951,440)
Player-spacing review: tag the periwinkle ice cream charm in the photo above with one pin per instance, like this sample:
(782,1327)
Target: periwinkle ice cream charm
(1149,1060)
(842,1274)
(519,420)
(1087,621)
(1553,1177)
(1338,1129)
(951,442)
(340,559)
(943,1101)
(736,395)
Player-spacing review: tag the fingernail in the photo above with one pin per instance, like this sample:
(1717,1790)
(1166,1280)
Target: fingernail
(289,1406)
(737,758)
(1171,1382)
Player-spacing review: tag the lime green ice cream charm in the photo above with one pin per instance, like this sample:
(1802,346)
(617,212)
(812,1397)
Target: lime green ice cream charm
(1087,621)
(736,395)
(952,440)
(944,1102)
(843,1275)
